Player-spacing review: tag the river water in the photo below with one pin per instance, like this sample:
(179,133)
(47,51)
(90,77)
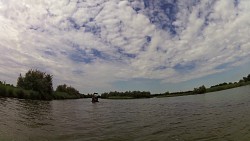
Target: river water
(219,116)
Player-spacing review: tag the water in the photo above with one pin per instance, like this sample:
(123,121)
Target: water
(219,116)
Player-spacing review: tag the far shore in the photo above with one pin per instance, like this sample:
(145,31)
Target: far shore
(44,91)
(216,88)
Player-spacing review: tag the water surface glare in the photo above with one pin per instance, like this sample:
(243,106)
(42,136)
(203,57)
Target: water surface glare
(219,116)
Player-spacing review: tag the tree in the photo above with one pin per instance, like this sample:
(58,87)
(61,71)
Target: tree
(37,81)
(202,89)
(68,89)
(133,94)
(20,82)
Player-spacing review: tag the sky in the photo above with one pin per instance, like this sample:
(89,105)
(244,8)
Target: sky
(120,45)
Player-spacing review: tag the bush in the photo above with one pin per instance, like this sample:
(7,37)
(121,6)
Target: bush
(10,92)
(20,94)
(70,91)
(34,95)
(37,81)
(202,89)
(127,94)
(3,91)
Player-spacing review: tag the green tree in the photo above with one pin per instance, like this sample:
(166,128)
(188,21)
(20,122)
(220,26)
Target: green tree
(37,81)
(133,94)
(202,89)
(20,82)
(68,89)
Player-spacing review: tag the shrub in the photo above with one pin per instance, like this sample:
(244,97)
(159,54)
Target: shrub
(20,94)
(37,81)
(3,91)
(10,92)
(202,89)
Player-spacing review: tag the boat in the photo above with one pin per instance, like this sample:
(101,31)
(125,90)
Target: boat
(95,98)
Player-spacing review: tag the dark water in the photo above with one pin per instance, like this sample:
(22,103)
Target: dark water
(220,116)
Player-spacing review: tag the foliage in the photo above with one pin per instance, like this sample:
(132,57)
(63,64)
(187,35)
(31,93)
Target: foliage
(167,94)
(222,86)
(126,95)
(37,85)
(7,90)
(246,79)
(69,90)
(87,96)
(38,81)
(202,89)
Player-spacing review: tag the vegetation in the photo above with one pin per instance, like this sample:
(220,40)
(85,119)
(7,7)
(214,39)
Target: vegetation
(126,95)
(66,92)
(201,90)
(167,94)
(37,85)
(7,90)
(38,81)
(223,86)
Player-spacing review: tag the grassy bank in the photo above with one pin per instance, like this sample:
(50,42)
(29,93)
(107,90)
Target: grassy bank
(227,86)
(11,91)
(126,95)
(38,85)
(199,90)
(7,90)
(216,88)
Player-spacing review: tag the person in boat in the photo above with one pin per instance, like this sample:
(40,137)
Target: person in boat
(95,98)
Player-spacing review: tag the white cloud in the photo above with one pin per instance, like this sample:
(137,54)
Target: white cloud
(119,42)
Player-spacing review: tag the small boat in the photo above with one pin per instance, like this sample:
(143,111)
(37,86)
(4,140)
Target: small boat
(94,98)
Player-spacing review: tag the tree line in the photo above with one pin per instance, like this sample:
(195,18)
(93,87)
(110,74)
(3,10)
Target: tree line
(38,85)
(202,89)
(126,95)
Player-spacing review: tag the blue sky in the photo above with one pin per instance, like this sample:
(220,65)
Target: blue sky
(107,45)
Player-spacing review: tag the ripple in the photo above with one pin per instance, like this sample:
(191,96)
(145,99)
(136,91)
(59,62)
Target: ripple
(219,117)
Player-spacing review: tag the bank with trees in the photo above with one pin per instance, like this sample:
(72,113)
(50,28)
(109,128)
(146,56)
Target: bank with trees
(202,89)
(126,95)
(39,86)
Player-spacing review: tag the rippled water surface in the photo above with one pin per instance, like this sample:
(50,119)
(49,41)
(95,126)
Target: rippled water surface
(216,116)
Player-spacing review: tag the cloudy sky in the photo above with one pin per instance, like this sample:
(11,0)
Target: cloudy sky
(106,45)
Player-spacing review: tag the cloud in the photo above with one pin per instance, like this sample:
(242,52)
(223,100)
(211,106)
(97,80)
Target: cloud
(93,44)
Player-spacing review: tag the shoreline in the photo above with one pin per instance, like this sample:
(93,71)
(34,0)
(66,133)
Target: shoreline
(11,91)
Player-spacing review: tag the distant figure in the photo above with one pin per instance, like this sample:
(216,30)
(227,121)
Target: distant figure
(95,98)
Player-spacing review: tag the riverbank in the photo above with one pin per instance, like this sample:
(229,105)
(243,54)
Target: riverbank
(7,90)
(216,88)
(38,85)
(33,86)
(200,90)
